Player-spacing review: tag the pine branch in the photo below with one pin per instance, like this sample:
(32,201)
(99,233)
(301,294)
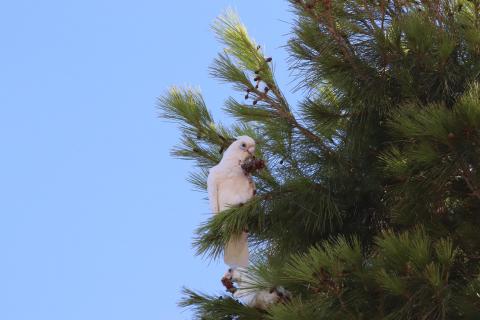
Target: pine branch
(249,56)
(221,307)
(325,17)
(265,215)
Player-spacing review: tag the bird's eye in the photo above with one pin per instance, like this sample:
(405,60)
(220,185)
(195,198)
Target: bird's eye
(243,145)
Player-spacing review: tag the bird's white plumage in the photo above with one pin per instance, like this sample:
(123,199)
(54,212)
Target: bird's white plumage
(249,295)
(228,185)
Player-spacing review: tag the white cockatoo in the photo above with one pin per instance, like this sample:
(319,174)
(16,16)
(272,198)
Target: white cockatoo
(252,297)
(229,185)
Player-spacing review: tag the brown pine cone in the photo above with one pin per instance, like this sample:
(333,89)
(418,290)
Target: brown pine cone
(252,164)
(228,284)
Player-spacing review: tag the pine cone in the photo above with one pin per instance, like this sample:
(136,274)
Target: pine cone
(228,284)
(252,164)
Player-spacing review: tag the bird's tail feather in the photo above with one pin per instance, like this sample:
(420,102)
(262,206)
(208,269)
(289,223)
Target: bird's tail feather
(236,251)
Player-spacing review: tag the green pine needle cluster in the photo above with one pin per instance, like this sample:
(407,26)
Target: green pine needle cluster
(369,207)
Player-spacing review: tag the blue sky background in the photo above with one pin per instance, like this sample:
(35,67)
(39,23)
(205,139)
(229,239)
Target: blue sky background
(96,218)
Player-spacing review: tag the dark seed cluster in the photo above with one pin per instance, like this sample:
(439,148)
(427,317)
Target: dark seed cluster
(258,80)
(252,164)
(228,284)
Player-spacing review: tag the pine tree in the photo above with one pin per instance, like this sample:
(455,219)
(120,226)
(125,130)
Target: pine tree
(369,207)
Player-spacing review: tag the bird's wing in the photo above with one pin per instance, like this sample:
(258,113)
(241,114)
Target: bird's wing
(212,187)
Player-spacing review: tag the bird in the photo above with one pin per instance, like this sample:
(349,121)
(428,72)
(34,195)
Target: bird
(248,294)
(229,185)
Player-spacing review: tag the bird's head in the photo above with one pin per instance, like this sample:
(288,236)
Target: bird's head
(240,149)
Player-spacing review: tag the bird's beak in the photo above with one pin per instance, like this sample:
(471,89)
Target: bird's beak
(251,150)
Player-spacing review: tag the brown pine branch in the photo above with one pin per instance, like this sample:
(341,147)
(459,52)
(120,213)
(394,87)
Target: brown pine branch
(283,111)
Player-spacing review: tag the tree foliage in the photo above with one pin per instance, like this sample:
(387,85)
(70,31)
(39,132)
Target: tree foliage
(369,207)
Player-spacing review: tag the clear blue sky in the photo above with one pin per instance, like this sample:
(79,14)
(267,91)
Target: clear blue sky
(96,218)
